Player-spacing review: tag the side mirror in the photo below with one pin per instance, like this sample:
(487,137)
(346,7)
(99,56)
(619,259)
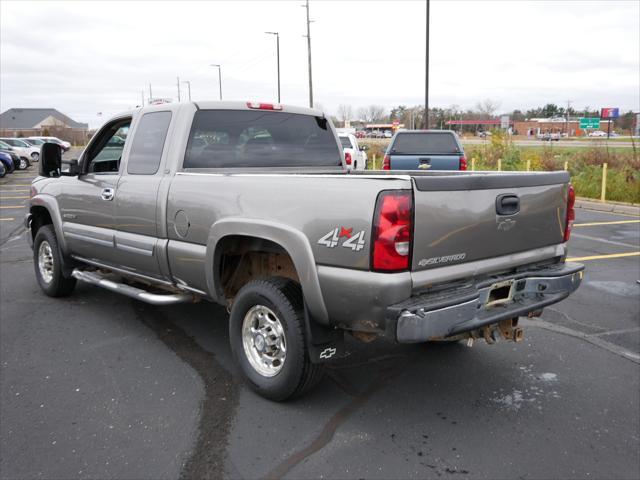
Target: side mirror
(73,168)
(50,160)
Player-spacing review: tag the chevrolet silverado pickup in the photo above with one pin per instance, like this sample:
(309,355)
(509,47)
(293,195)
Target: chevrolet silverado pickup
(249,205)
(425,150)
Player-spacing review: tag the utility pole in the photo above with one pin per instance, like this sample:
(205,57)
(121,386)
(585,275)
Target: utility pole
(188,88)
(426,82)
(277,57)
(219,76)
(178,83)
(142,96)
(150,94)
(568,132)
(309,54)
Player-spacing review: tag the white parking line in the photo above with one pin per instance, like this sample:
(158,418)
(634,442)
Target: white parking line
(602,240)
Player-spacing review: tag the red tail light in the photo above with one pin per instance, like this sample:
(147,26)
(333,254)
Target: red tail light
(463,163)
(571,213)
(386,163)
(347,158)
(264,106)
(392,231)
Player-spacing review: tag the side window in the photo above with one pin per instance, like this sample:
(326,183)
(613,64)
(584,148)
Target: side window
(106,152)
(148,143)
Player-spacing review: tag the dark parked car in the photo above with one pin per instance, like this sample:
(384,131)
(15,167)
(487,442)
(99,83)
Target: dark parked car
(3,170)
(20,162)
(7,162)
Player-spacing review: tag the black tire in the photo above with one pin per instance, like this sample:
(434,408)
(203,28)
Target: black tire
(23,163)
(297,374)
(35,156)
(56,285)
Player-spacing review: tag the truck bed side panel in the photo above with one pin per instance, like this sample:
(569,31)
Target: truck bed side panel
(319,206)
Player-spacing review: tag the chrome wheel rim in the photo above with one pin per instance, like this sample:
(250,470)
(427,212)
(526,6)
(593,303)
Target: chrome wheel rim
(264,341)
(45,262)
(23,163)
(35,156)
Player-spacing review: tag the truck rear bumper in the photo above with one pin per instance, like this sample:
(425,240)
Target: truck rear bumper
(437,315)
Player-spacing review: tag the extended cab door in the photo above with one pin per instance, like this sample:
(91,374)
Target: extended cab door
(86,203)
(137,203)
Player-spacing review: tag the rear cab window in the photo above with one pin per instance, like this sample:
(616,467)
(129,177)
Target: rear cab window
(346,142)
(246,138)
(425,142)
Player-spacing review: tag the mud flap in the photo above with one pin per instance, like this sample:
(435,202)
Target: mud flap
(323,343)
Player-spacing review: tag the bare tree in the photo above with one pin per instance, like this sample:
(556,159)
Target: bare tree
(362,114)
(345,113)
(374,113)
(487,107)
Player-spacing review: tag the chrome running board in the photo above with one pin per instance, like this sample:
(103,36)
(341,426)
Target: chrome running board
(133,292)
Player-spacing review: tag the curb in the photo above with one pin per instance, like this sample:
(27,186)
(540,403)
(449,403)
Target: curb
(608,207)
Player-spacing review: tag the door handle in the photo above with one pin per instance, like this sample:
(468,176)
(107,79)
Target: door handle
(507,204)
(107,194)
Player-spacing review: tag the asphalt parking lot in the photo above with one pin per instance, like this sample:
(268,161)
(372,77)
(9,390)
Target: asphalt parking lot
(100,386)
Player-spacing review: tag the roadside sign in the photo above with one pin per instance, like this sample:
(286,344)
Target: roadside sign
(504,121)
(586,123)
(610,112)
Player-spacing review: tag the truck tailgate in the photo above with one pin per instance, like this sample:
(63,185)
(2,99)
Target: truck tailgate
(466,217)
(424,162)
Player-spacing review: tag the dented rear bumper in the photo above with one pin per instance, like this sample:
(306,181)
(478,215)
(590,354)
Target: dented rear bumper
(436,315)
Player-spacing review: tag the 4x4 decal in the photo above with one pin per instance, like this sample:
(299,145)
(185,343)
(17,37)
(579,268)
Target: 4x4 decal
(353,241)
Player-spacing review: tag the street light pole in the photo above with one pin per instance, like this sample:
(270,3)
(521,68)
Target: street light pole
(219,76)
(426,83)
(188,88)
(277,57)
(309,55)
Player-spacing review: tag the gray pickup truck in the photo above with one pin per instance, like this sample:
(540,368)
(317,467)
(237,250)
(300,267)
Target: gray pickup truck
(249,205)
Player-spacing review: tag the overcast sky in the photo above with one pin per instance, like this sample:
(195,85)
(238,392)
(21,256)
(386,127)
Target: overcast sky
(89,57)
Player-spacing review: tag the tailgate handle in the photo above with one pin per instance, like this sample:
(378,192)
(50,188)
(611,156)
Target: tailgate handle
(507,204)
(424,160)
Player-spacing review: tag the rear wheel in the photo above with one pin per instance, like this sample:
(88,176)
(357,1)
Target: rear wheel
(48,264)
(266,331)
(23,164)
(35,156)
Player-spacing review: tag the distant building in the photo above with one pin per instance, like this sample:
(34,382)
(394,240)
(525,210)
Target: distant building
(27,122)
(537,126)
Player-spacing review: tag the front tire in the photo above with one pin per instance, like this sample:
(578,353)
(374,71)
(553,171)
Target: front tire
(267,335)
(48,264)
(23,164)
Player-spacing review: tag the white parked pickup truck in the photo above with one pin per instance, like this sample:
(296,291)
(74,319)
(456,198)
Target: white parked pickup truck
(355,156)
